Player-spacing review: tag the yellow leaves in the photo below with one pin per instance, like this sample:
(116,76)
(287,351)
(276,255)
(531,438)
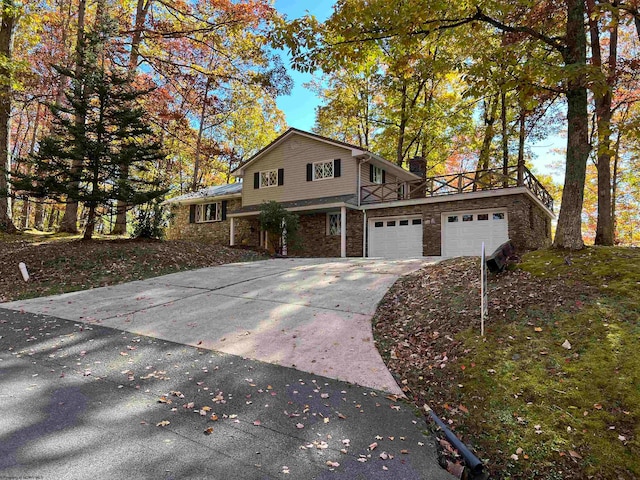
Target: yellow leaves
(163,423)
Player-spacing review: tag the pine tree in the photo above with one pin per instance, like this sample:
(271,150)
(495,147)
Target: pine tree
(114,146)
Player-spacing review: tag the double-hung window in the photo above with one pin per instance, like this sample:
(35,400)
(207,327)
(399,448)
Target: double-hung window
(377,175)
(209,212)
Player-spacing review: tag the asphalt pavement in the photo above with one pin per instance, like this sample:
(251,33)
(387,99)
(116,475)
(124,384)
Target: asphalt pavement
(81,400)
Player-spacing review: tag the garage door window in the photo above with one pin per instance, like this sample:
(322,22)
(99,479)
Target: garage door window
(467,218)
(498,216)
(391,223)
(452,218)
(483,216)
(416,221)
(404,222)
(379,224)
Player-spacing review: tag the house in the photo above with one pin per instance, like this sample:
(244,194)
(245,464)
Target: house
(353,203)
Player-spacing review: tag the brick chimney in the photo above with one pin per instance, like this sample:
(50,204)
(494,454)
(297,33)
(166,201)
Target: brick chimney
(418,165)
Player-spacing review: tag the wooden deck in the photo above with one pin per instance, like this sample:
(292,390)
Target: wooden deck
(465,182)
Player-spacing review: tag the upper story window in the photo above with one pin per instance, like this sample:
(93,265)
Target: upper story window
(268,178)
(209,212)
(323,170)
(377,174)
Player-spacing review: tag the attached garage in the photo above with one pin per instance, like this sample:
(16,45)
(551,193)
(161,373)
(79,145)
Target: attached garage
(464,232)
(395,237)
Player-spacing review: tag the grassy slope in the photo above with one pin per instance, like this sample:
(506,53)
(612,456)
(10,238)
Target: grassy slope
(531,407)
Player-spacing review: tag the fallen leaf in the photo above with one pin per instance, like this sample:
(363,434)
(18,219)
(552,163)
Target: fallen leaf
(208,431)
(575,454)
(257,423)
(566,345)
(404,451)
(373,446)
(538,329)
(299,425)
(332,464)
(163,423)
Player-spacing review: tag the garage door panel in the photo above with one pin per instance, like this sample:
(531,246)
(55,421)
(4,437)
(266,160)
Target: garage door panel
(397,237)
(464,232)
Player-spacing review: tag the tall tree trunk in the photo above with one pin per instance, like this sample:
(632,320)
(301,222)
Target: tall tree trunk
(505,137)
(489,120)
(6,49)
(402,126)
(614,186)
(26,212)
(37,222)
(38,216)
(54,216)
(120,227)
(522,135)
(604,226)
(69,222)
(569,230)
(196,159)
(491,109)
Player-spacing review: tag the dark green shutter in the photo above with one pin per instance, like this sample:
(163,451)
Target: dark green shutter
(309,172)
(336,168)
(280,176)
(224,210)
(256,180)
(383,177)
(192,214)
(371,172)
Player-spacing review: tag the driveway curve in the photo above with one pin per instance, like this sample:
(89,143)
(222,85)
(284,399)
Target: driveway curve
(310,314)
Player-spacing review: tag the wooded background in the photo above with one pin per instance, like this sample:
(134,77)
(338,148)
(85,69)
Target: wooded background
(466,85)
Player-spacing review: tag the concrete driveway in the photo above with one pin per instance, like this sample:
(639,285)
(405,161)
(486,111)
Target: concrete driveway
(310,314)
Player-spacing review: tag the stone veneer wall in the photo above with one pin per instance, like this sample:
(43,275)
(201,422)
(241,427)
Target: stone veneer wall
(314,241)
(529,226)
(213,232)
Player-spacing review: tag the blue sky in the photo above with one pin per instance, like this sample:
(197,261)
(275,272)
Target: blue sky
(299,107)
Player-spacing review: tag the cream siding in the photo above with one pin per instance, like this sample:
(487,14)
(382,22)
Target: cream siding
(293,155)
(376,189)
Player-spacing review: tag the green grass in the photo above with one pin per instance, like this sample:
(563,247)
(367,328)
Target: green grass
(586,400)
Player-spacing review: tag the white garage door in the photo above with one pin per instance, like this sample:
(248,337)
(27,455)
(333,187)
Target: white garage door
(397,237)
(464,232)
